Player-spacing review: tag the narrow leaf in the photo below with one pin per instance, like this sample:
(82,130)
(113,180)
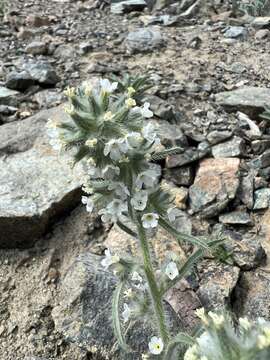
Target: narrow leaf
(116,318)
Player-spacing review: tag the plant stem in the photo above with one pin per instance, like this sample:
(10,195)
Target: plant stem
(154,290)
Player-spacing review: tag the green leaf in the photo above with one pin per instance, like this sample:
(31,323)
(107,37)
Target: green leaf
(116,317)
(181,237)
(163,154)
(126,229)
(190,263)
(179,339)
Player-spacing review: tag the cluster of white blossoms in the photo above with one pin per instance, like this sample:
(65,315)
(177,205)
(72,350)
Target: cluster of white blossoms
(116,140)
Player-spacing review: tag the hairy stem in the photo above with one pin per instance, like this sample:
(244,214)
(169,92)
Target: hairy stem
(153,287)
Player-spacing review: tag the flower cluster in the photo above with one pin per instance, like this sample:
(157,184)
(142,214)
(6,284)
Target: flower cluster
(221,340)
(111,134)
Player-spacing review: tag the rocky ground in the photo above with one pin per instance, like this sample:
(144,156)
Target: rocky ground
(211,83)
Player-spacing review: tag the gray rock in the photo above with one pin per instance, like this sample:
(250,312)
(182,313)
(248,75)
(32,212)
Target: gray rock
(189,155)
(160,108)
(170,135)
(248,253)
(84,314)
(19,80)
(236,218)
(262,199)
(36,72)
(7,96)
(21,135)
(48,98)
(120,7)
(252,295)
(182,176)
(235,32)
(261,22)
(215,185)
(246,188)
(36,48)
(144,40)
(231,148)
(251,100)
(217,284)
(262,34)
(36,185)
(215,137)
(42,72)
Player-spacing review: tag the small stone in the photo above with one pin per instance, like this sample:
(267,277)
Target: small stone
(36,48)
(121,7)
(85,48)
(37,21)
(250,100)
(215,185)
(144,40)
(7,96)
(217,284)
(262,199)
(19,80)
(231,148)
(262,34)
(252,294)
(246,188)
(189,155)
(216,136)
(182,176)
(235,32)
(48,98)
(236,218)
(42,72)
(261,22)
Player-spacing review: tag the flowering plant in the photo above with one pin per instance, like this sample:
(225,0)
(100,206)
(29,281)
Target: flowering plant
(111,133)
(221,340)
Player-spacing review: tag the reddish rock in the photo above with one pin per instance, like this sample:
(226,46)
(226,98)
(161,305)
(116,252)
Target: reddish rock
(215,184)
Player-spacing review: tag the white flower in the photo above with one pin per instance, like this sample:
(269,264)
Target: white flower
(202,315)
(108,116)
(218,320)
(147,178)
(131,91)
(145,357)
(91,142)
(128,293)
(148,132)
(145,111)
(107,86)
(88,202)
(134,139)
(126,313)
(113,211)
(130,103)
(120,190)
(150,220)
(139,200)
(171,270)
(156,345)
(136,277)
(245,323)
(116,147)
(110,172)
(109,259)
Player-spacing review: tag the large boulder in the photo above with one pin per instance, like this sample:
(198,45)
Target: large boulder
(36,184)
(84,314)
